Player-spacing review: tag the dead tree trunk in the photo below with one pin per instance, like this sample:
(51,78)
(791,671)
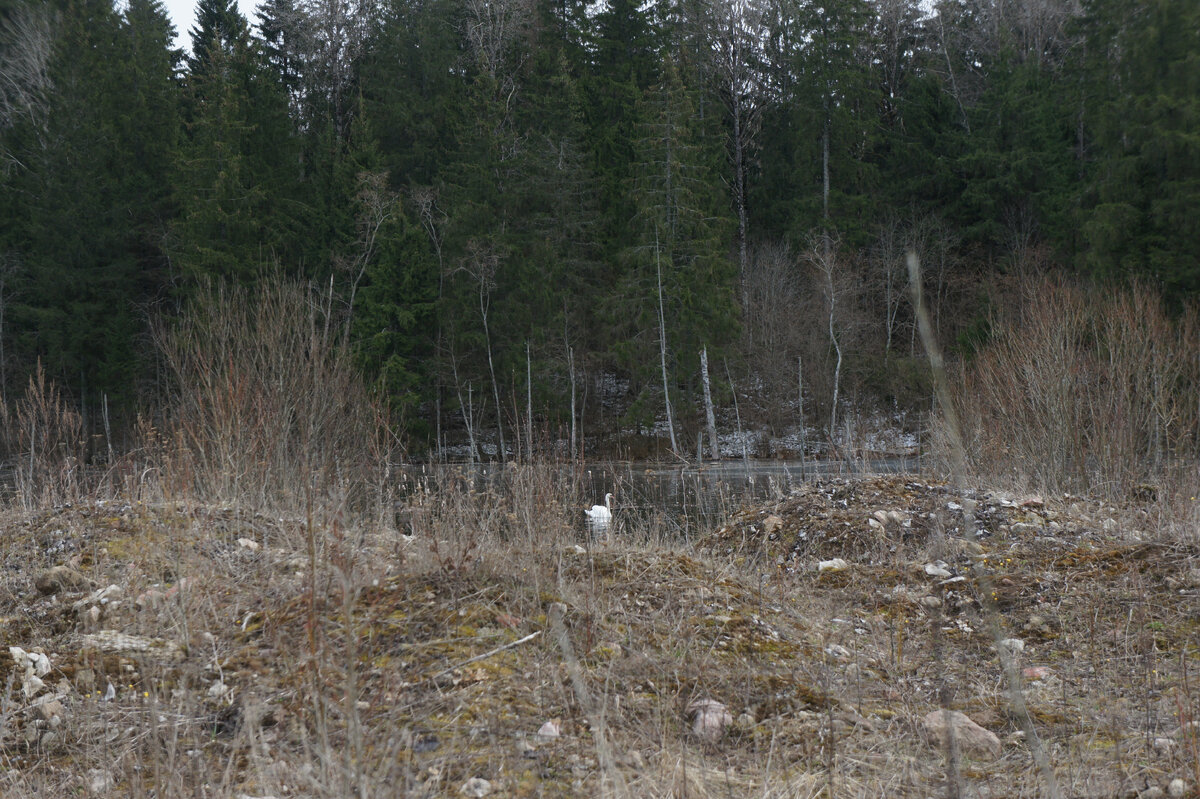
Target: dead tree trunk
(715,445)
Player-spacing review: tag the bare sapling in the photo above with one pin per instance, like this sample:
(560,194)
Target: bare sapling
(662,345)
(264,402)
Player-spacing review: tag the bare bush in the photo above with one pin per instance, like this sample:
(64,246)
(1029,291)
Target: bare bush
(1081,390)
(266,407)
(44,435)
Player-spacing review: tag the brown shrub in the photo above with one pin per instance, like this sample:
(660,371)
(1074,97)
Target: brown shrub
(265,406)
(1083,389)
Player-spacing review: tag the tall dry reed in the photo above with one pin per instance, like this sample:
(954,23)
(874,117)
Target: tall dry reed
(43,435)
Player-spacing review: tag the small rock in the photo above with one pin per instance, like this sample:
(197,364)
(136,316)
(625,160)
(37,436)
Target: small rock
(1013,645)
(31,685)
(1177,787)
(150,598)
(250,544)
(550,730)
(1153,792)
(1110,526)
(875,524)
(746,720)
(51,711)
(937,569)
(476,786)
(834,565)
(218,689)
(710,719)
(972,739)
(100,781)
(838,651)
(882,517)
(853,672)
(116,642)
(897,517)
(61,580)
(41,663)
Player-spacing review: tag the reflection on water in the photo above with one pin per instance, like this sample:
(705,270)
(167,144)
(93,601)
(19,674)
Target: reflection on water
(682,501)
(690,500)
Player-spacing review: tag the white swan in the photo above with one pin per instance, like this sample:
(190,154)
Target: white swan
(601,513)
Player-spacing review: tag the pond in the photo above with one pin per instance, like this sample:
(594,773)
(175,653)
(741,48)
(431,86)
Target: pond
(687,500)
(690,500)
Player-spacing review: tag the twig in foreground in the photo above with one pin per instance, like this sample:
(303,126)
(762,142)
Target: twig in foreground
(485,655)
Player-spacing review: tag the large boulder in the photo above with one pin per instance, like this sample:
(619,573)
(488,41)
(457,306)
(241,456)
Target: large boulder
(972,740)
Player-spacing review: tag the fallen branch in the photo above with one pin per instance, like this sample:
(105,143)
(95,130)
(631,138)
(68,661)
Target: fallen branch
(485,655)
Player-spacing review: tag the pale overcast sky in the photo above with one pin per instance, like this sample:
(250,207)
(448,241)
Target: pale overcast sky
(183,14)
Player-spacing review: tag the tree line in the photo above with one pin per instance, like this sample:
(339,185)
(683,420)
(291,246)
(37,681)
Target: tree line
(553,207)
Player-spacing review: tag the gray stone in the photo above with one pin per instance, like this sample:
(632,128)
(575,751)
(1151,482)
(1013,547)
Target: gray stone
(476,787)
(972,740)
(710,719)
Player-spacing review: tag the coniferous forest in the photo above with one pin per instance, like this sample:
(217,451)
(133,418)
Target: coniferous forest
(558,205)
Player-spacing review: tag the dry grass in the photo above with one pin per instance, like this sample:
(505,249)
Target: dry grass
(279,628)
(355,674)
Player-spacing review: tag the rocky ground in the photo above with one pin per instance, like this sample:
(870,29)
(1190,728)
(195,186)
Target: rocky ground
(820,644)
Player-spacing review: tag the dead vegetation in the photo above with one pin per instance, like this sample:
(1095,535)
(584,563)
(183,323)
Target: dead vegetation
(229,661)
(257,608)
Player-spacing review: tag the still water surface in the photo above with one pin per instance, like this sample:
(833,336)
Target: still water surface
(684,501)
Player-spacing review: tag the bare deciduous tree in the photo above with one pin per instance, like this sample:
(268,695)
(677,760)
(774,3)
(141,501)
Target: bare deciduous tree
(482,263)
(491,28)
(377,205)
(26,42)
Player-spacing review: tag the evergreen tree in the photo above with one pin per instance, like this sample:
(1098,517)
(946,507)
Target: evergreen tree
(1142,70)
(684,229)
(237,170)
(91,196)
(220,37)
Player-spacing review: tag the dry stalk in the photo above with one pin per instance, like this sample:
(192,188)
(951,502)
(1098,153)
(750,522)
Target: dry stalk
(1016,699)
(604,753)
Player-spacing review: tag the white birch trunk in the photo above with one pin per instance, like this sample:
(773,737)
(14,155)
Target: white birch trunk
(714,445)
(662,348)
